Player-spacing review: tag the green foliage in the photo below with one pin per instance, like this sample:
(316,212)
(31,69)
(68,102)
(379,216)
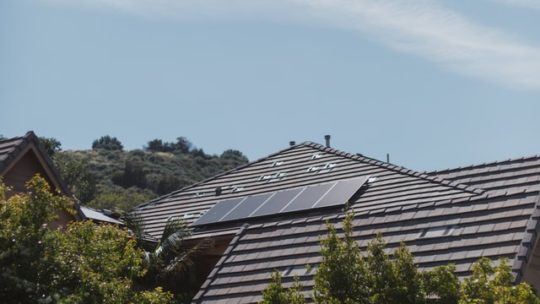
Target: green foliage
(342,275)
(442,284)
(345,276)
(392,279)
(83,263)
(51,145)
(490,284)
(107,143)
(182,145)
(275,293)
(119,199)
(133,174)
(170,265)
(80,180)
(23,228)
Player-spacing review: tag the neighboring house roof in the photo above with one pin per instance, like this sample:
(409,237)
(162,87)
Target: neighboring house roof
(99,216)
(13,150)
(457,219)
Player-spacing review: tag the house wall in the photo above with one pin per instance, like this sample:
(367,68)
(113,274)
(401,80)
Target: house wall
(26,167)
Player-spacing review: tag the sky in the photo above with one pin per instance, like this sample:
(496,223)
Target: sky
(434,83)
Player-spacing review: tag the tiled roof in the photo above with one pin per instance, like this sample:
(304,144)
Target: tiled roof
(301,165)
(491,226)
(518,173)
(9,149)
(455,215)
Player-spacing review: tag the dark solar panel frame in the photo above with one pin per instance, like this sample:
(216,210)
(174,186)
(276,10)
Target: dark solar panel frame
(309,195)
(342,191)
(326,195)
(216,213)
(277,202)
(246,207)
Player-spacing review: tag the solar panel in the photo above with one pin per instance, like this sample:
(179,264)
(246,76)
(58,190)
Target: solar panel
(308,197)
(277,202)
(245,208)
(218,211)
(330,194)
(341,192)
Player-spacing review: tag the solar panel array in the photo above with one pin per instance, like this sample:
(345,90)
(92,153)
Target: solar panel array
(325,195)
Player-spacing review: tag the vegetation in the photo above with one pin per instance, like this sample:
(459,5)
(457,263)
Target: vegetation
(83,263)
(111,178)
(346,276)
(170,263)
(107,143)
(276,294)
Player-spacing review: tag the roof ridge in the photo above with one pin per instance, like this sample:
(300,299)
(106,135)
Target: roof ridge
(486,164)
(218,175)
(399,169)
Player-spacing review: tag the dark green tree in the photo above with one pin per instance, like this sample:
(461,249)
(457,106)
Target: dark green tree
(275,293)
(132,175)
(234,155)
(107,143)
(342,275)
(79,178)
(182,145)
(51,145)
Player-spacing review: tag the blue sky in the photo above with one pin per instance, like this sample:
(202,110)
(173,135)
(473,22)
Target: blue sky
(434,83)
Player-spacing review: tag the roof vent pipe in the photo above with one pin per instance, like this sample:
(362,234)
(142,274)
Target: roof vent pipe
(292,143)
(327,139)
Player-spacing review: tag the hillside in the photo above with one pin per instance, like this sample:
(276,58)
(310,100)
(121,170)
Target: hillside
(109,177)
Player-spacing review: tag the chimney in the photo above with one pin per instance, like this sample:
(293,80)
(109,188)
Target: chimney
(327,139)
(292,143)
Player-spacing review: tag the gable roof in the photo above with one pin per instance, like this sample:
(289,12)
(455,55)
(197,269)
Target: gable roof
(300,165)
(12,149)
(517,173)
(455,215)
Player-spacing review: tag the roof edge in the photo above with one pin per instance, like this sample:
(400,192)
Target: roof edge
(396,168)
(487,164)
(219,264)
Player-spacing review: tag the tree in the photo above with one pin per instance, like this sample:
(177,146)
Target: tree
(107,143)
(442,285)
(493,285)
(77,175)
(275,293)
(133,175)
(170,264)
(83,263)
(51,145)
(155,145)
(119,199)
(342,275)
(234,155)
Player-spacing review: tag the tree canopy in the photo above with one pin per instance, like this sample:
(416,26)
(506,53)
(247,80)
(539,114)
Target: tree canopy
(108,143)
(83,263)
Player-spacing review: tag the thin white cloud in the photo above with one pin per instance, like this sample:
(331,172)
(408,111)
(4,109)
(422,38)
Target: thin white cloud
(420,27)
(535,4)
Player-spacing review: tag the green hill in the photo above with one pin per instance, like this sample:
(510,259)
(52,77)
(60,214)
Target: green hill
(109,177)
